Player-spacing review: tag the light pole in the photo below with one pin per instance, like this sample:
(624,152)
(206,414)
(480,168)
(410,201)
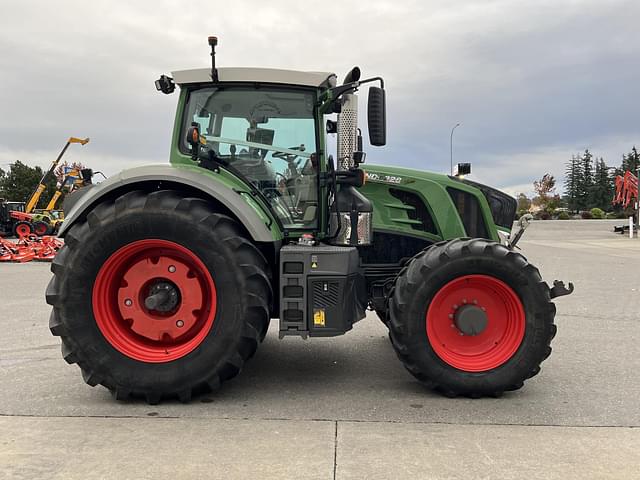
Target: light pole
(451,145)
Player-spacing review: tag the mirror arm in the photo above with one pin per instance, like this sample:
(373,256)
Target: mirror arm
(373,79)
(353,86)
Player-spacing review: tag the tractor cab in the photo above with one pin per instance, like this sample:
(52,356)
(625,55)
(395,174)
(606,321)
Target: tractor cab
(266,135)
(268,127)
(8,207)
(7,220)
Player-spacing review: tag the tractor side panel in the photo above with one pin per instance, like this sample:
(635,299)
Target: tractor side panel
(421,204)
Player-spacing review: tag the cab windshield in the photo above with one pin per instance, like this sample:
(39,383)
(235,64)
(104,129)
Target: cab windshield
(268,135)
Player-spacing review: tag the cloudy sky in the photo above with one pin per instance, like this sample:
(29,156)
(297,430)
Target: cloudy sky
(532,82)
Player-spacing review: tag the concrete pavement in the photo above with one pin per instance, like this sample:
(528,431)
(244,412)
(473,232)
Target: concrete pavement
(345,407)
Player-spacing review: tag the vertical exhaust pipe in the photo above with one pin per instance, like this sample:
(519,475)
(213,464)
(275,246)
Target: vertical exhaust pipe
(351,223)
(347,131)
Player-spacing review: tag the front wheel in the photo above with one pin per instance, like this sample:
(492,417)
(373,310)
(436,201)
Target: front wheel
(155,295)
(471,317)
(22,229)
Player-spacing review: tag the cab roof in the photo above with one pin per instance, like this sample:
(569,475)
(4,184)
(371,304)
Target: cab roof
(260,75)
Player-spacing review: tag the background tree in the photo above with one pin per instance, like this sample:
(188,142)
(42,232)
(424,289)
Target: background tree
(524,203)
(545,186)
(631,161)
(602,189)
(19,183)
(547,199)
(585,181)
(573,175)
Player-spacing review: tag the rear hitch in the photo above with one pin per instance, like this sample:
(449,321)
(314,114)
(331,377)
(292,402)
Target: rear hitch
(559,290)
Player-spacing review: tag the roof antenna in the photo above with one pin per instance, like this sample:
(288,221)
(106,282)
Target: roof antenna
(213,41)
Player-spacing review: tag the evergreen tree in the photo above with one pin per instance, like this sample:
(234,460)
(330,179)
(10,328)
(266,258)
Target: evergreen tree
(585,182)
(631,161)
(602,190)
(573,174)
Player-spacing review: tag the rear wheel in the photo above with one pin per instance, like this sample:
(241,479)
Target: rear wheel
(158,296)
(41,228)
(22,229)
(471,317)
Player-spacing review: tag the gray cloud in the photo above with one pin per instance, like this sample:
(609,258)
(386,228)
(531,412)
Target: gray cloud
(531,82)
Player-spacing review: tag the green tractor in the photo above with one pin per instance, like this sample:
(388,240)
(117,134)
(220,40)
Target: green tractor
(170,274)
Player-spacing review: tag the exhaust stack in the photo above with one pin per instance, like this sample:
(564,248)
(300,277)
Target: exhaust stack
(347,131)
(351,222)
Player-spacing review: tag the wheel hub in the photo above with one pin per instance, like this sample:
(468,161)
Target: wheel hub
(163,297)
(470,319)
(166,312)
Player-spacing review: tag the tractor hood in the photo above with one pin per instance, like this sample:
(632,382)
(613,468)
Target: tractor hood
(438,189)
(400,175)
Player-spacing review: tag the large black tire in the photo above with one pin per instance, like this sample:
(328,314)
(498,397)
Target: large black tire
(41,228)
(433,270)
(243,291)
(22,226)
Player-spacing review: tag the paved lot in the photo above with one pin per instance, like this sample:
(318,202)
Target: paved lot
(344,407)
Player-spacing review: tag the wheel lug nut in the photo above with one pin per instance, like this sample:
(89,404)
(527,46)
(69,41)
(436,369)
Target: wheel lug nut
(455,307)
(172,268)
(464,300)
(179,324)
(451,315)
(128,302)
(475,302)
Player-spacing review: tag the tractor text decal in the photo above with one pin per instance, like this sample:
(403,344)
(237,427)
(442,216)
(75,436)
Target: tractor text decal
(374,177)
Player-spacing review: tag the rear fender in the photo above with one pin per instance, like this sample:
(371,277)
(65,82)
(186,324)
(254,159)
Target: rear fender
(258,223)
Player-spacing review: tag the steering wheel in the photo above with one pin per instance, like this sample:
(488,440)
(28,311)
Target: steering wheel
(288,157)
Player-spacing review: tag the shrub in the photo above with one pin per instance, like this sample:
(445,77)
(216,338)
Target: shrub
(542,215)
(586,215)
(597,213)
(563,216)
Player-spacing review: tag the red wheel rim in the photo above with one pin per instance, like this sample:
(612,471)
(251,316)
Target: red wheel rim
(131,274)
(496,343)
(23,230)
(40,229)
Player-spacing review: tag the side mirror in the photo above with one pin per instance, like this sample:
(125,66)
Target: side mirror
(377,117)
(86,174)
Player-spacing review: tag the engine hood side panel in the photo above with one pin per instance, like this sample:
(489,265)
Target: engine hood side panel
(392,214)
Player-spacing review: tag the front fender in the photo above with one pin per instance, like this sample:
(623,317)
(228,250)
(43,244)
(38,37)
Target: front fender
(247,211)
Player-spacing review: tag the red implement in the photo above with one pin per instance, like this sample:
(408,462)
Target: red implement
(29,247)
